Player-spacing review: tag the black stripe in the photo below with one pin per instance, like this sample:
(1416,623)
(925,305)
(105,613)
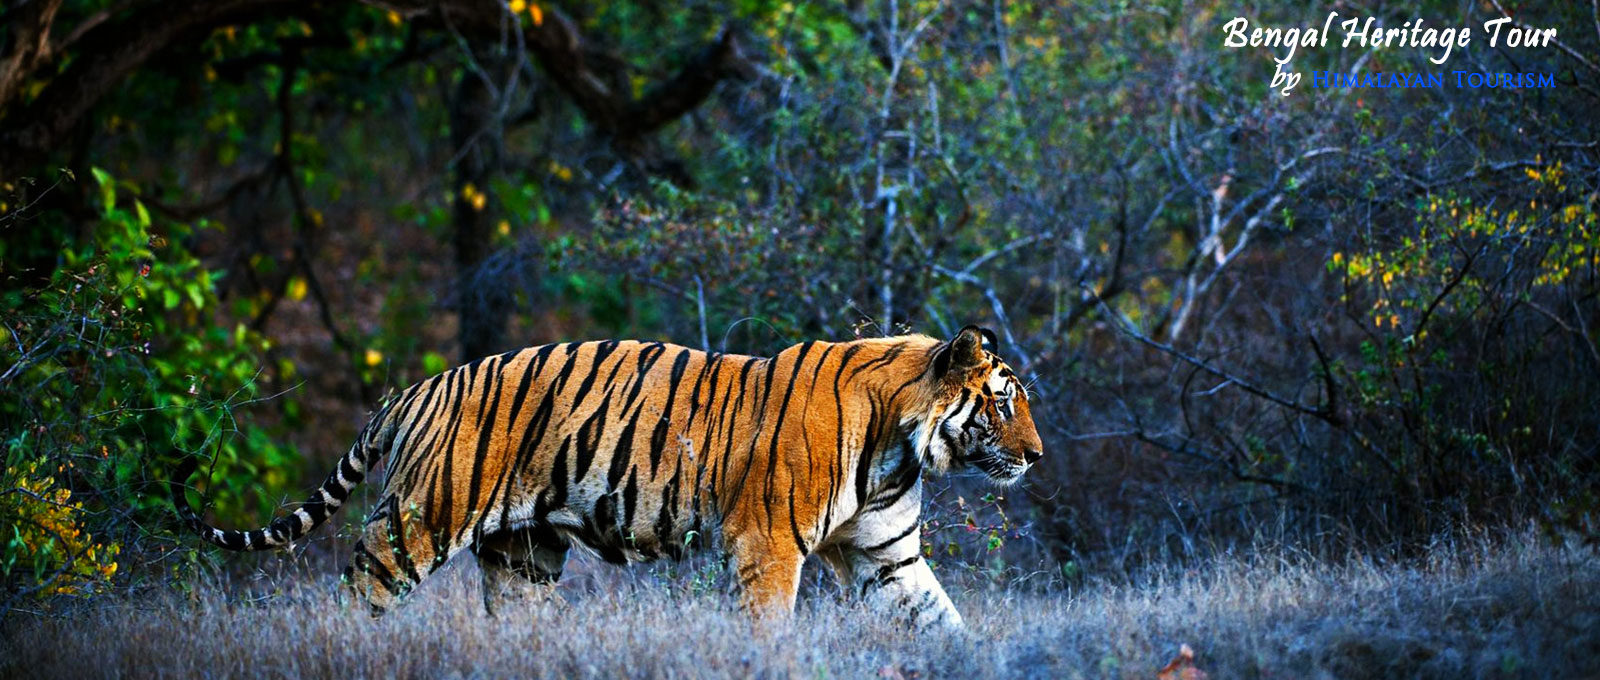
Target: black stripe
(836,475)
(571,350)
(415,424)
(658,438)
(805,437)
(880,546)
(905,479)
(663,527)
(335,490)
(558,480)
(694,397)
(777,428)
(630,497)
(864,462)
(485,434)
(589,436)
(888,356)
(621,453)
(658,442)
(794,526)
(896,394)
(738,406)
(367,563)
(886,574)
(541,356)
(402,555)
(647,361)
(447,468)
(349,471)
(502,486)
(601,351)
(921,606)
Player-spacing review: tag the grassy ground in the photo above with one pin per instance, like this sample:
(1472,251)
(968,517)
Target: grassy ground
(1473,608)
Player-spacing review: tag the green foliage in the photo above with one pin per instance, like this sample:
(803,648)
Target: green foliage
(114,369)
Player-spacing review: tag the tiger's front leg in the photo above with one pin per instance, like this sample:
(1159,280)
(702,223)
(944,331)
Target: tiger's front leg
(880,561)
(897,583)
(768,576)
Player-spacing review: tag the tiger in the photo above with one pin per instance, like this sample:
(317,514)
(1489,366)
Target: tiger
(640,450)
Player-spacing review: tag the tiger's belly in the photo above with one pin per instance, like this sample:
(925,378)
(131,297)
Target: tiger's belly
(637,522)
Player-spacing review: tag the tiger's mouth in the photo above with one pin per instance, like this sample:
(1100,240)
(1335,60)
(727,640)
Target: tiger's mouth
(1001,467)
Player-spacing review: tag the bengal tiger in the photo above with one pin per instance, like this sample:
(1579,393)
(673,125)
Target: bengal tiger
(638,450)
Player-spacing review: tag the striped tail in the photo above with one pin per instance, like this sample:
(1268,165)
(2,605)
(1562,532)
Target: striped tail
(284,531)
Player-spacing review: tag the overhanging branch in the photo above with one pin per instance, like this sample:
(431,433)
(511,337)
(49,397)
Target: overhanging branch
(114,48)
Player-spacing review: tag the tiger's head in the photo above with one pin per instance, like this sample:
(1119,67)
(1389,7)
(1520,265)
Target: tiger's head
(979,415)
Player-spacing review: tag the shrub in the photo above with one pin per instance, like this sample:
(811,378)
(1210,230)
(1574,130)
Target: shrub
(111,369)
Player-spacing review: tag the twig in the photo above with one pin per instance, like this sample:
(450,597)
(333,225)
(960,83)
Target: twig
(700,303)
(1557,41)
(1001,318)
(1126,327)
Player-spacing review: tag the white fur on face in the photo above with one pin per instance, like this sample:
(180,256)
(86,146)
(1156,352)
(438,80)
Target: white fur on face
(934,450)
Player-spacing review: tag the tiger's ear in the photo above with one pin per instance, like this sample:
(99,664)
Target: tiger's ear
(963,351)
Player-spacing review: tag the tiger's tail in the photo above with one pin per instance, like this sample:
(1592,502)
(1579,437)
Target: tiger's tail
(283,531)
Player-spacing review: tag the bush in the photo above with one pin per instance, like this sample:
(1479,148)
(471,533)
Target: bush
(111,371)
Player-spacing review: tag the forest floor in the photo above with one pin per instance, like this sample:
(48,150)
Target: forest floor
(1517,607)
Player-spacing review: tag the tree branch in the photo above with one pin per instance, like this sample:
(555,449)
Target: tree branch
(112,49)
(109,53)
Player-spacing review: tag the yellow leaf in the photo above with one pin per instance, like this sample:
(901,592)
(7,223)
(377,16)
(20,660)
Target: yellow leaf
(394,17)
(374,357)
(297,289)
(517,6)
(473,197)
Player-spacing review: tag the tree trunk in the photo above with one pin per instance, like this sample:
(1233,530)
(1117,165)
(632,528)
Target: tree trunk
(475,135)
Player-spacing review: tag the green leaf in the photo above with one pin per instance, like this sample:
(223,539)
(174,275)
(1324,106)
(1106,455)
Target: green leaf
(108,189)
(433,363)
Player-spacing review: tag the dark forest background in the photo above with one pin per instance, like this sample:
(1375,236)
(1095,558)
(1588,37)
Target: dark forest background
(1343,320)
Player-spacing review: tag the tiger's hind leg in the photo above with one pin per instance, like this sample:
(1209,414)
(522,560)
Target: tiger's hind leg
(396,552)
(520,566)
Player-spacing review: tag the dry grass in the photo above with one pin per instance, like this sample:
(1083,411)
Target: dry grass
(1475,608)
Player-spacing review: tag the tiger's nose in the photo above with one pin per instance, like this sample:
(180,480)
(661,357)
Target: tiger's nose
(1032,455)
